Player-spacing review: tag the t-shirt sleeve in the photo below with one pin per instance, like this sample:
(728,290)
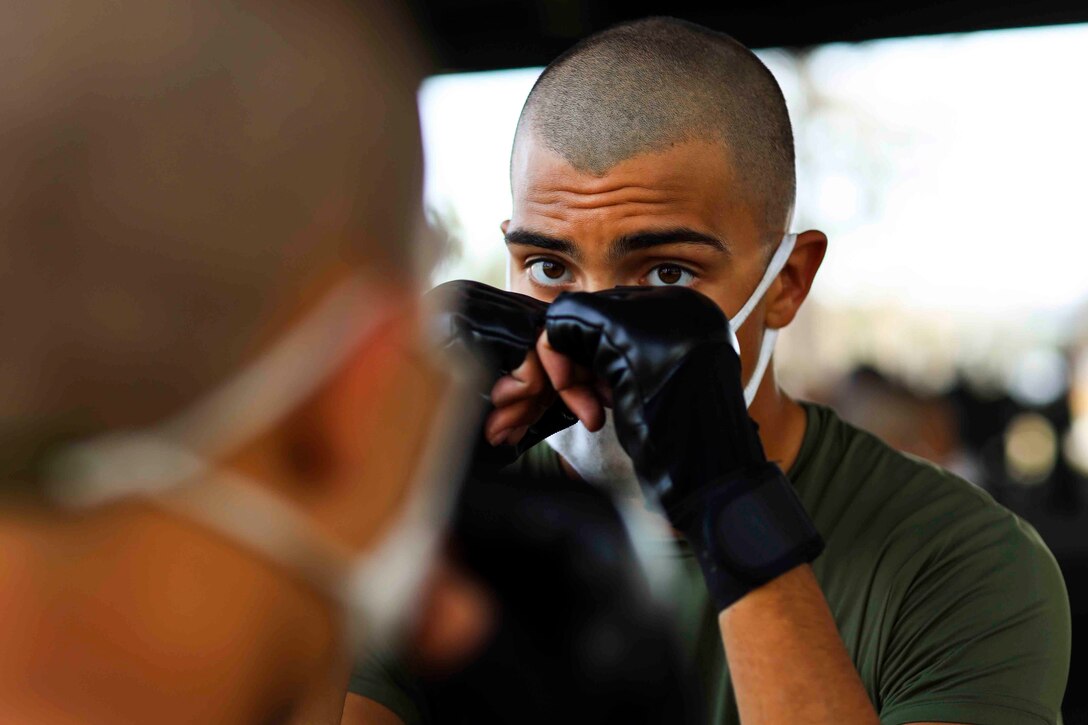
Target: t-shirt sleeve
(982,632)
(385,681)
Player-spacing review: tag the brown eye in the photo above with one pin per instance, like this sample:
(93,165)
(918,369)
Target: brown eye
(669,275)
(549,272)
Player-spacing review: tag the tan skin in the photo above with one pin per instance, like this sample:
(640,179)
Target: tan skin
(131,614)
(786,659)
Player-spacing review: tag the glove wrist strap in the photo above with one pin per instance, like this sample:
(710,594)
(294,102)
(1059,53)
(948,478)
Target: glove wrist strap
(745,530)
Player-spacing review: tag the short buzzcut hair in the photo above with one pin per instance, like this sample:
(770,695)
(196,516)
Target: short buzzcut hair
(640,86)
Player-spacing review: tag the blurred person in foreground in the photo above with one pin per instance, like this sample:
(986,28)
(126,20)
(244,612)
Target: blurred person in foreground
(218,412)
(660,154)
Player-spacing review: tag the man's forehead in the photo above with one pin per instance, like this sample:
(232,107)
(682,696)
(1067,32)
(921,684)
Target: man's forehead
(689,185)
(681,166)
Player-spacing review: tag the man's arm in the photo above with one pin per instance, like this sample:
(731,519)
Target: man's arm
(786,659)
(681,416)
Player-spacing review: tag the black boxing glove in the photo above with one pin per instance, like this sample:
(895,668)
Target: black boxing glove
(497,329)
(679,412)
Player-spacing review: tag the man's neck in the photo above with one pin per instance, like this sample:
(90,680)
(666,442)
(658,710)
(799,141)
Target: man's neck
(782,422)
(140,587)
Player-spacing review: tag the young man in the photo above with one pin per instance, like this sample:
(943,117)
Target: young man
(659,153)
(216,395)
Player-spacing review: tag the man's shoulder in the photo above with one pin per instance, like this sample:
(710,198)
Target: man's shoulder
(939,591)
(841,462)
(897,518)
(864,494)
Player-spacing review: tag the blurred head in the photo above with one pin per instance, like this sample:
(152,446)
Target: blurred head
(180,181)
(658,152)
(187,184)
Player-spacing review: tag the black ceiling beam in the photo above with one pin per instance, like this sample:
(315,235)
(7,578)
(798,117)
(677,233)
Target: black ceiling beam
(494,34)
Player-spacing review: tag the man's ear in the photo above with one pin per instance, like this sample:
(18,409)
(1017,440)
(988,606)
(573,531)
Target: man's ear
(357,443)
(792,286)
(325,435)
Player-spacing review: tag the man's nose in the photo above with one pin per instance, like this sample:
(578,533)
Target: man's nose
(598,282)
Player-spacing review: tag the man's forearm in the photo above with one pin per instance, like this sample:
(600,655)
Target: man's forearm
(786,659)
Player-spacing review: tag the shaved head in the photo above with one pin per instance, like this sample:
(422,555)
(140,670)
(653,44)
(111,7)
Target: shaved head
(641,87)
(174,176)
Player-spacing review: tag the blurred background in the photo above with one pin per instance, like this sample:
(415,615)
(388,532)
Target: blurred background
(946,165)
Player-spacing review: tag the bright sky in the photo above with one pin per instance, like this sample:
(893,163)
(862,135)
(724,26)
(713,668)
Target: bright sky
(949,172)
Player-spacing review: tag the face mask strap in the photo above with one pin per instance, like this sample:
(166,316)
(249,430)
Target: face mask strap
(778,261)
(376,589)
(167,467)
(766,348)
(384,584)
(241,510)
(238,411)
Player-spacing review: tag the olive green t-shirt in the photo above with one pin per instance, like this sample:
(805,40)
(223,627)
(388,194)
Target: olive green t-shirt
(951,607)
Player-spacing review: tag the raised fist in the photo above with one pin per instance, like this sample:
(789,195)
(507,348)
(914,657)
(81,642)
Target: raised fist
(679,411)
(500,329)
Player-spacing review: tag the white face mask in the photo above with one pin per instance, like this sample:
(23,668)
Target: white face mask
(168,466)
(600,459)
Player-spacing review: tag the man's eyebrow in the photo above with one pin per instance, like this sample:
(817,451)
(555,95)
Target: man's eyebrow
(525,238)
(678,235)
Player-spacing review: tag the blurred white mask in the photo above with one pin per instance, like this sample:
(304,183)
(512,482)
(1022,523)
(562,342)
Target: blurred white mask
(168,466)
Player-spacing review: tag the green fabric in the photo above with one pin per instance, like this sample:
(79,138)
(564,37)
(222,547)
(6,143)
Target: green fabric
(384,681)
(951,607)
